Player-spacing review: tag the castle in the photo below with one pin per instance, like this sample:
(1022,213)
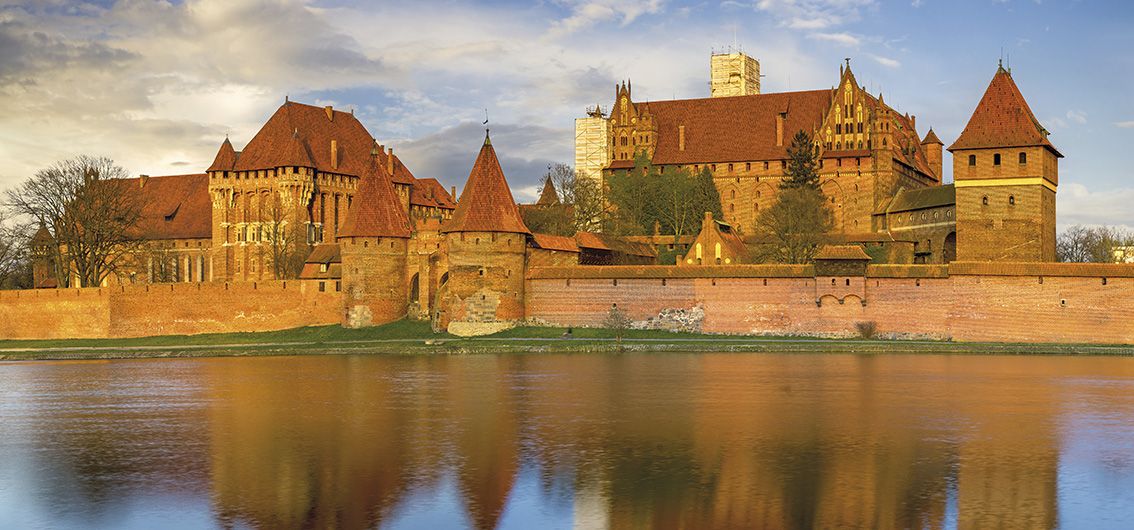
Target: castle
(386,245)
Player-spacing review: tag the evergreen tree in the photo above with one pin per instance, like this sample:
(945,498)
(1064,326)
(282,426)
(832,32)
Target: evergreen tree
(706,197)
(803,164)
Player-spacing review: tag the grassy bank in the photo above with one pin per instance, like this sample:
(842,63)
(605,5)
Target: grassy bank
(410,337)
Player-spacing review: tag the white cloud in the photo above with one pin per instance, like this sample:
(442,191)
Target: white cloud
(845,39)
(1077,116)
(1076,204)
(886,61)
(1125,124)
(814,14)
(585,13)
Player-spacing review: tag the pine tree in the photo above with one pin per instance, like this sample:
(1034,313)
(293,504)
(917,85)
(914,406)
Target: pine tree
(803,165)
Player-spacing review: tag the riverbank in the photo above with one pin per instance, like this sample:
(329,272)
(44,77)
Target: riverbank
(412,338)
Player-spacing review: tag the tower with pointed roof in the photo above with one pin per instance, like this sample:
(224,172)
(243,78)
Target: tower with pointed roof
(487,244)
(1006,173)
(42,259)
(933,146)
(374,246)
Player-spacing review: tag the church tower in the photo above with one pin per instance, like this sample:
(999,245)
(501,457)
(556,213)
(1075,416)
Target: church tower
(487,244)
(374,245)
(1006,172)
(733,74)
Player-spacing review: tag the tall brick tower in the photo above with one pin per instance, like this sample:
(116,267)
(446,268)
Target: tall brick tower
(43,270)
(487,243)
(932,145)
(1006,172)
(374,244)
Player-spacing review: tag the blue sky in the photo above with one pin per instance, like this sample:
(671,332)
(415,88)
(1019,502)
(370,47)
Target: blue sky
(157,85)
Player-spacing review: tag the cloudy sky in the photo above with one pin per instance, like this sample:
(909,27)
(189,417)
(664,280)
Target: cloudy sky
(158,84)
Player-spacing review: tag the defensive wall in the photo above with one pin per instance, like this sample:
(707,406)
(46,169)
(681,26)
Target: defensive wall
(167,309)
(963,301)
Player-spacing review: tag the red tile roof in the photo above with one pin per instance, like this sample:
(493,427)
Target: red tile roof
(173,207)
(312,129)
(550,242)
(486,203)
(547,196)
(842,252)
(226,158)
(1002,119)
(430,193)
(402,174)
(376,212)
(749,120)
(931,138)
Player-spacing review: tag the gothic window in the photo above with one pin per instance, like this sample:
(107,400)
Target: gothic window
(972,160)
(984,200)
(732,194)
(730,168)
(1012,200)
(748,166)
(838,128)
(860,127)
(1023,157)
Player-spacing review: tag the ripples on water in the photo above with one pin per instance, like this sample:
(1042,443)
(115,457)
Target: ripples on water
(569,441)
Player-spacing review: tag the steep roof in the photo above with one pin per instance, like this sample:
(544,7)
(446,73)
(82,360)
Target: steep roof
(42,237)
(551,242)
(921,198)
(749,120)
(226,157)
(173,207)
(376,211)
(931,138)
(486,203)
(1003,119)
(548,196)
(430,193)
(303,133)
(325,253)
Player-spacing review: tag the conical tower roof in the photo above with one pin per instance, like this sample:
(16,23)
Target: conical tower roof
(376,211)
(226,158)
(931,138)
(296,153)
(486,203)
(1003,119)
(42,236)
(548,197)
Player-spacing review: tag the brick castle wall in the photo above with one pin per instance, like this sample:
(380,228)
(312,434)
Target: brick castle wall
(167,309)
(983,302)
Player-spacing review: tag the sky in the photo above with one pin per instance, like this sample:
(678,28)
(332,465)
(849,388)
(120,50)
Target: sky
(156,85)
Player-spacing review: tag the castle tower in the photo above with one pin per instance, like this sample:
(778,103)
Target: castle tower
(43,273)
(733,74)
(592,145)
(932,145)
(487,243)
(374,244)
(1006,173)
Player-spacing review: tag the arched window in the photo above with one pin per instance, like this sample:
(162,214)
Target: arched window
(1023,157)
(984,200)
(732,194)
(1012,200)
(972,160)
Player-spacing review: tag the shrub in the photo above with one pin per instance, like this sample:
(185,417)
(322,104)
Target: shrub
(866,330)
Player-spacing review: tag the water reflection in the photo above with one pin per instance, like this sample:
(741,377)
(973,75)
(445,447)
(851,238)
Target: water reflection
(618,441)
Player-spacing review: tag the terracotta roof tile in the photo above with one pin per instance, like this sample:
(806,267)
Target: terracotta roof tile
(430,193)
(931,138)
(749,120)
(376,212)
(550,242)
(173,207)
(1002,119)
(325,253)
(842,252)
(226,158)
(921,198)
(272,145)
(486,203)
(547,196)
(590,240)
(42,237)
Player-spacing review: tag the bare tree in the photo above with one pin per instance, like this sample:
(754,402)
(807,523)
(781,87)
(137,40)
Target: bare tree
(288,243)
(794,227)
(1091,244)
(92,214)
(14,249)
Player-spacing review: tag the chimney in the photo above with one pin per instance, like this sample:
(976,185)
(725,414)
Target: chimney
(780,129)
(454,194)
(913,122)
(680,137)
(142,179)
(708,221)
(334,154)
(330,112)
(390,161)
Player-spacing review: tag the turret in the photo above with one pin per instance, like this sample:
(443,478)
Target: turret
(932,145)
(374,245)
(487,243)
(1006,173)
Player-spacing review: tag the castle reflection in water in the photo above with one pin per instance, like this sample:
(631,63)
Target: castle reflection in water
(621,441)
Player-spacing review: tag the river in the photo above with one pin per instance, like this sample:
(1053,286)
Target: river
(569,441)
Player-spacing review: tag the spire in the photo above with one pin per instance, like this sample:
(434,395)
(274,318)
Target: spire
(486,203)
(548,196)
(1003,119)
(296,154)
(376,211)
(226,157)
(931,138)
